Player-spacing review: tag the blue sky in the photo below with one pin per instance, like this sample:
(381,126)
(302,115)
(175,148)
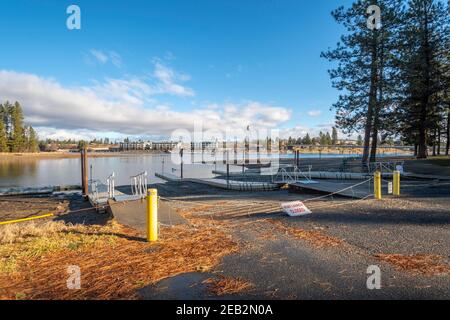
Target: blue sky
(176,57)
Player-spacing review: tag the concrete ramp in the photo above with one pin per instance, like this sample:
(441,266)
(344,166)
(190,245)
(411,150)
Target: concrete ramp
(339,187)
(133,214)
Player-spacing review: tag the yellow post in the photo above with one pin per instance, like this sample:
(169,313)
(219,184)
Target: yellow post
(377,185)
(152,215)
(396,186)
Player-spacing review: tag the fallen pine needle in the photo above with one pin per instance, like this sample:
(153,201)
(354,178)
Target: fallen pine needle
(426,264)
(227,285)
(315,237)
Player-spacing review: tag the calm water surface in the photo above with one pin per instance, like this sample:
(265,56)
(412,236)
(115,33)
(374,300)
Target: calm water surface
(38,172)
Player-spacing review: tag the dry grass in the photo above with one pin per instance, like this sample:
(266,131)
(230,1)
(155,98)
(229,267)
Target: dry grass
(15,233)
(227,285)
(315,237)
(425,264)
(112,269)
(22,242)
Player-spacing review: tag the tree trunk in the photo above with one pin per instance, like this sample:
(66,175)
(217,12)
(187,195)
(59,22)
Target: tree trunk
(426,92)
(377,109)
(439,142)
(422,152)
(447,147)
(434,143)
(372,98)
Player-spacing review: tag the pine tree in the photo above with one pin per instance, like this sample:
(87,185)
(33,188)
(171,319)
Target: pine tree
(328,139)
(3,136)
(32,142)
(17,131)
(423,63)
(6,110)
(388,75)
(307,139)
(334,136)
(359,140)
(358,71)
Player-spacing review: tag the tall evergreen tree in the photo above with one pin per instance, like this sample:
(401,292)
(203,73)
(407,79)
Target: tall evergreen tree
(307,139)
(17,131)
(334,136)
(384,123)
(3,137)
(32,143)
(359,68)
(423,63)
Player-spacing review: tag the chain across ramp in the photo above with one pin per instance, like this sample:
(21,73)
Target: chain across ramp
(244,208)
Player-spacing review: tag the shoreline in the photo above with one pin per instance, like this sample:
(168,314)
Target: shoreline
(71,155)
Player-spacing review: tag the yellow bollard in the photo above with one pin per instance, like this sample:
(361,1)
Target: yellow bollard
(396,186)
(152,215)
(377,185)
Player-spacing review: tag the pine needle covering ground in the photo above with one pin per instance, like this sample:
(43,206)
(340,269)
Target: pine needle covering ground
(114,261)
(425,264)
(315,237)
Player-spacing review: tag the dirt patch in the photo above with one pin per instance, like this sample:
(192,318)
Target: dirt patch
(315,237)
(425,264)
(227,285)
(24,207)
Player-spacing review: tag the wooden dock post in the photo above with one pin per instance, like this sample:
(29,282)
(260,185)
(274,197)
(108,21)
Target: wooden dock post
(235,151)
(82,170)
(228,175)
(258,155)
(85,173)
(181,156)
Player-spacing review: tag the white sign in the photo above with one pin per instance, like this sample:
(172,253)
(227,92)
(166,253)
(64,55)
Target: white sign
(390,188)
(295,208)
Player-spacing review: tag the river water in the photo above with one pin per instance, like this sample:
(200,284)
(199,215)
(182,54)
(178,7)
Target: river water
(43,172)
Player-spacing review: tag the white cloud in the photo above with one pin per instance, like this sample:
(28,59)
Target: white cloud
(100,56)
(314,113)
(168,78)
(125,106)
(115,59)
(81,134)
(104,57)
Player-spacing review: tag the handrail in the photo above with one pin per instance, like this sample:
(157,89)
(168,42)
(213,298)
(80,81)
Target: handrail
(139,184)
(295,175)
(110,184)
(94,188)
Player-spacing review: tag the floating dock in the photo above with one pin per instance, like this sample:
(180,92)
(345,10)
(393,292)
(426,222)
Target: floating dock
(223,183)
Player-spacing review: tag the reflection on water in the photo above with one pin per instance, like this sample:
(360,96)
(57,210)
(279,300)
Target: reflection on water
(29,172)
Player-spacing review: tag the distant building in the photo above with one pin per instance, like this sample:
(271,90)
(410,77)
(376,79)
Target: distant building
(204,145)
(135,145)
(148,145)
(165,146)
